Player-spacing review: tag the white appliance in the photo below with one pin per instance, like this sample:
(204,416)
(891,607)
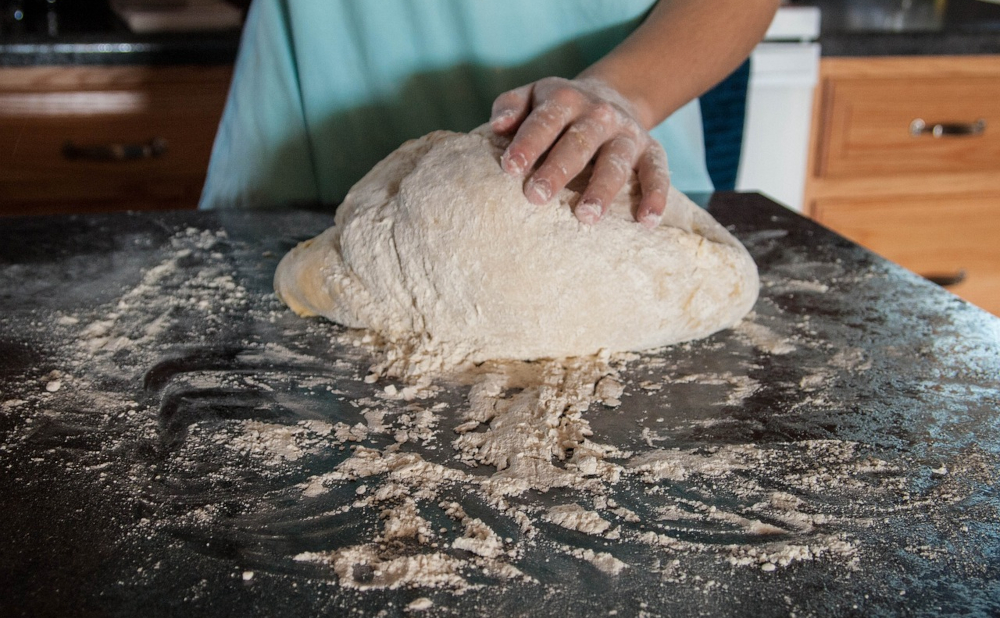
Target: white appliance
(784,70)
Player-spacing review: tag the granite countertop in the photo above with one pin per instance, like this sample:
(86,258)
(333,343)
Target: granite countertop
(928,28)
(944,43)
(850,28)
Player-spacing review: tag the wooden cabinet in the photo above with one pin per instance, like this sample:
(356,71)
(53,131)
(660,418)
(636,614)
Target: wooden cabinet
(945,239)
(97,139)
(905,160)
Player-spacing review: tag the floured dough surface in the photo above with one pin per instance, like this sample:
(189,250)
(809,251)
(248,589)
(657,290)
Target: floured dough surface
(437,244)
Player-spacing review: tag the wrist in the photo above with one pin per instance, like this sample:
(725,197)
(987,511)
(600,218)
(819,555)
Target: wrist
(620,92)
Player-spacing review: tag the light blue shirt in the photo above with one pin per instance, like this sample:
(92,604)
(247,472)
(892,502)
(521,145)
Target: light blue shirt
(324,89)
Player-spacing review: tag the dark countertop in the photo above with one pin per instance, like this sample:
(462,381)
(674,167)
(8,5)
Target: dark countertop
(122,49)
(879,28)
(966,27)
(837,454)
(876,44)
(89,33)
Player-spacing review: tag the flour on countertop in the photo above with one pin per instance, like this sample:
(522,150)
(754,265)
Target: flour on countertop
(575,517)
(458,482)
(604,561)
(764,338)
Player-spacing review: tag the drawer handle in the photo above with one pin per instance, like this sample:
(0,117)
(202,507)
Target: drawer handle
(947,280)
(946,129)
(152,149)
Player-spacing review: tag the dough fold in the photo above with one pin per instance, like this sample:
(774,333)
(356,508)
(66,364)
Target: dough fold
(437,244)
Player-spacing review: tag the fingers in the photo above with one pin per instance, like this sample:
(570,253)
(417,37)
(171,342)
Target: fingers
(535,135)
(612,169)
(654,179)
(568,122)
(566,159)
(510,109)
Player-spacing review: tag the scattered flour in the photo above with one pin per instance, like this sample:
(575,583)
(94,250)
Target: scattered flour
(575,517)
(275,443)
(604,561)
(364,567)
(413,458)
(419,605)
(762,337)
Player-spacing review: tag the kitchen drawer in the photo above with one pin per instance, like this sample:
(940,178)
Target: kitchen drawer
(86,139)
(935,236)
(869,108)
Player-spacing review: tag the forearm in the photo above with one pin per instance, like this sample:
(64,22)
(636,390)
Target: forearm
(680,51)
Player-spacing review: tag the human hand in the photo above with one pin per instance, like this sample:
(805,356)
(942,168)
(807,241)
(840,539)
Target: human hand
(572,122)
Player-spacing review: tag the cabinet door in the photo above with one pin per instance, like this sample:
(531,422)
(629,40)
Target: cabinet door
(937,236)
(83,139)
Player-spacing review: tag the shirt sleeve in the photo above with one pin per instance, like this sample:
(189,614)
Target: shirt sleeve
(262,155)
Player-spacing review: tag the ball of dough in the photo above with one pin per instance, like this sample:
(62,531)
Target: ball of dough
(438,243)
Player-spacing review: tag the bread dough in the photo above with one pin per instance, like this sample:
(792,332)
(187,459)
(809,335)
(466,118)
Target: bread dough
(438,244)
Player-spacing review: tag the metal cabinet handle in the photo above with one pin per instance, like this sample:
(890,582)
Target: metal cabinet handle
(947,280)
(946,129)
(152,149)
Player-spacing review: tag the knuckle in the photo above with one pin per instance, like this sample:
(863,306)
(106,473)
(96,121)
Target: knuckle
(511,100)
(577,138)
(619,164)
(510,97)
(614,166)
(656,151)
(635,132)
(625,145)
(655,161)
(501,108)
(501,105)
(548,82)
(604,113)
(550,112)
(624,149)
(586,134)
(566,96)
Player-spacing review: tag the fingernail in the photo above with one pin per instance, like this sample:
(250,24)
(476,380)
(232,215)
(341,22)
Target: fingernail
(513,163)
(589,212)
(538,191)
(650,220)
